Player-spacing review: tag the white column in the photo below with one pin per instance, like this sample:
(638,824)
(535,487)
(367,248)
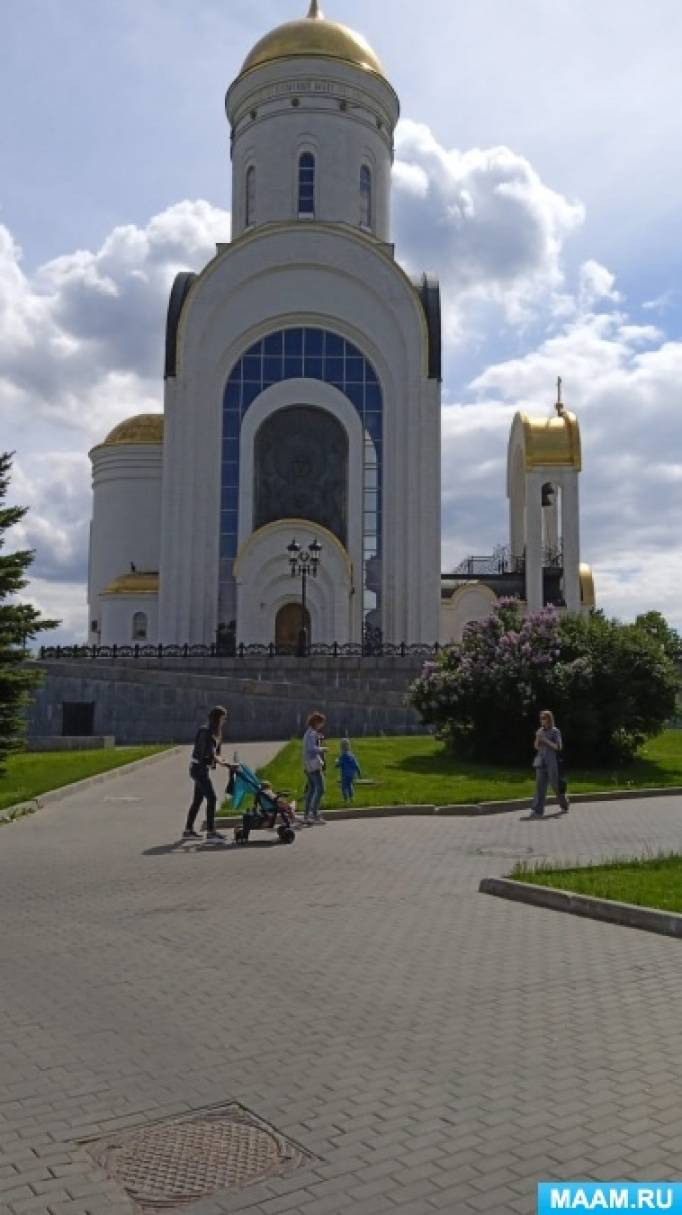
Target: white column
(571,540)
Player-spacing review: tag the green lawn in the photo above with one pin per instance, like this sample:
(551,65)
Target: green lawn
(650,882)
(418,770)
(31,773)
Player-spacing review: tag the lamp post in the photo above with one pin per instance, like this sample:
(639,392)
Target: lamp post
(304,563)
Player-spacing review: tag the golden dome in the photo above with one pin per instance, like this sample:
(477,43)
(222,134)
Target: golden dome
(588,597)
(134,584)
(552,442)
(142,428)
(314,35)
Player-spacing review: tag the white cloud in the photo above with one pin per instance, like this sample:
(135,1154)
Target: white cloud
(81,348)
(57,486)
(81,341)
(597,285)
(482,219)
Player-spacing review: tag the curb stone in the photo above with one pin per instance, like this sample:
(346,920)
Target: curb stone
(649,919)
(480,809)
(22,809)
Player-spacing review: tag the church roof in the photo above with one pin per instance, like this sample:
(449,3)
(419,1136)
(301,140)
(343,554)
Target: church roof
(552,442)
(134,584)
(314,35)
(142,428)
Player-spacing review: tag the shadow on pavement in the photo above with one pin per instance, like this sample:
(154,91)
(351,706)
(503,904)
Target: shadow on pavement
(181,846)
(543,818)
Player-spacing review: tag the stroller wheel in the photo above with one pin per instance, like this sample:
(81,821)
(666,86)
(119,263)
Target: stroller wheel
(286,834)
(239,835)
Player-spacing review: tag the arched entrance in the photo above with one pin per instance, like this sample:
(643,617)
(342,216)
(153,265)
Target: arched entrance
(288,626)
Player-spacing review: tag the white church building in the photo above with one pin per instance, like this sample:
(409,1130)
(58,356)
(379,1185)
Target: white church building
(302,401)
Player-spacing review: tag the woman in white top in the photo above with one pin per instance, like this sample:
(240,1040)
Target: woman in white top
(313,766)
(548,745)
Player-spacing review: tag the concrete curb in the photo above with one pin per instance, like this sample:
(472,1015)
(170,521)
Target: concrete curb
(476,810)
(649,919)
(21,809)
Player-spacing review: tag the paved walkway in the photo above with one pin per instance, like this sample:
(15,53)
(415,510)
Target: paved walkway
(435,1049)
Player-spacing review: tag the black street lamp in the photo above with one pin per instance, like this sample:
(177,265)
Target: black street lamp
(304,563)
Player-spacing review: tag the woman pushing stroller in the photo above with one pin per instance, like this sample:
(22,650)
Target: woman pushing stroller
(205,758)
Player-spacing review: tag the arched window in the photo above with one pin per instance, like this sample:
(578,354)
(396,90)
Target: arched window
(365,197)
(250,201)
(306,184)
(140,626)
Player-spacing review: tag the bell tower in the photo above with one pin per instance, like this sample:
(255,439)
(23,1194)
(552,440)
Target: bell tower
(543,465)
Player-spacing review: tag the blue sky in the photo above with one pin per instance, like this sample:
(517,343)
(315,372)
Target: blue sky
(538,174)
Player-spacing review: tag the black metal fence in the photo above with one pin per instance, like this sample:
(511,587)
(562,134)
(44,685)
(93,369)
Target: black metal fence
(367,649)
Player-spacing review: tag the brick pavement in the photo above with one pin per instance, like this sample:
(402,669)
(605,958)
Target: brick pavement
(435,1049)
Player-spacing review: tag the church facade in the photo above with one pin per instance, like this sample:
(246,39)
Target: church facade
(302,402)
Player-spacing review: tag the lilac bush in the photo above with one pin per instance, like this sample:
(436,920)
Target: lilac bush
(483,695)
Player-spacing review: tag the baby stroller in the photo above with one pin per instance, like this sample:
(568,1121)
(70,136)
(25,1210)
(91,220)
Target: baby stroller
(268,807)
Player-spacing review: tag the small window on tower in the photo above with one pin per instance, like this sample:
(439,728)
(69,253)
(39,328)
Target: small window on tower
(250,196)
(306,184)
(365,197)
(140,626)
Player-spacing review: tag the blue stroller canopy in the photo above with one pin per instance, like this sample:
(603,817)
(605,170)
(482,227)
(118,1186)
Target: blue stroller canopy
(245,782)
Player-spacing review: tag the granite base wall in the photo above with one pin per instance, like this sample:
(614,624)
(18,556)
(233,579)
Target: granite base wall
(143,701)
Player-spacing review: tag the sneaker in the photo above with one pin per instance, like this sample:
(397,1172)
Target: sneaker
(535,814)
(214,837)
(322,820)
(191,835)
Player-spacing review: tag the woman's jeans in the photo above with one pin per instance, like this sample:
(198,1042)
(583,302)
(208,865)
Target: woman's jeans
(202,789)
(543,778)
(314,793)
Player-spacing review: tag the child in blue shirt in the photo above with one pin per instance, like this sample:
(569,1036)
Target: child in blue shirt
(350,770)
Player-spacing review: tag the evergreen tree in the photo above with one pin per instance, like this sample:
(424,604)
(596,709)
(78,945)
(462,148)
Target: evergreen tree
(19,623)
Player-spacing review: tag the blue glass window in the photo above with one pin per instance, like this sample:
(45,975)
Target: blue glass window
(273,344)
(314,341)
(306,184)
(365,197)
(320,355)
(293,341)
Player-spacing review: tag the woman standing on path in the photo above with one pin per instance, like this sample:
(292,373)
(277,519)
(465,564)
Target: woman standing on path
(313,766)
(548,745)
(205,757)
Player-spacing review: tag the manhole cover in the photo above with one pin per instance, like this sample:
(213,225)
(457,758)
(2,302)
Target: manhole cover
(182,1160)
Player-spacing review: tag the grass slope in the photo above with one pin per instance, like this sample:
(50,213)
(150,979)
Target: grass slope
(650,882)
(418,770)
(31,773)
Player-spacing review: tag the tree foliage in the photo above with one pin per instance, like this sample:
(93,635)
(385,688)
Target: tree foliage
(19,623)
(657,627)
(610,685)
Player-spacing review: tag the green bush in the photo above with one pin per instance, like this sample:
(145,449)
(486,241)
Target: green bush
(610,685)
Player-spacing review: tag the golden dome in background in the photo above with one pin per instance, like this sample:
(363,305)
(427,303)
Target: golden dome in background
(552,442)
(142,428)
(314,35)
(134,584)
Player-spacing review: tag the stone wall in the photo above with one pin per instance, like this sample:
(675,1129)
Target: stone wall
(151,700)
